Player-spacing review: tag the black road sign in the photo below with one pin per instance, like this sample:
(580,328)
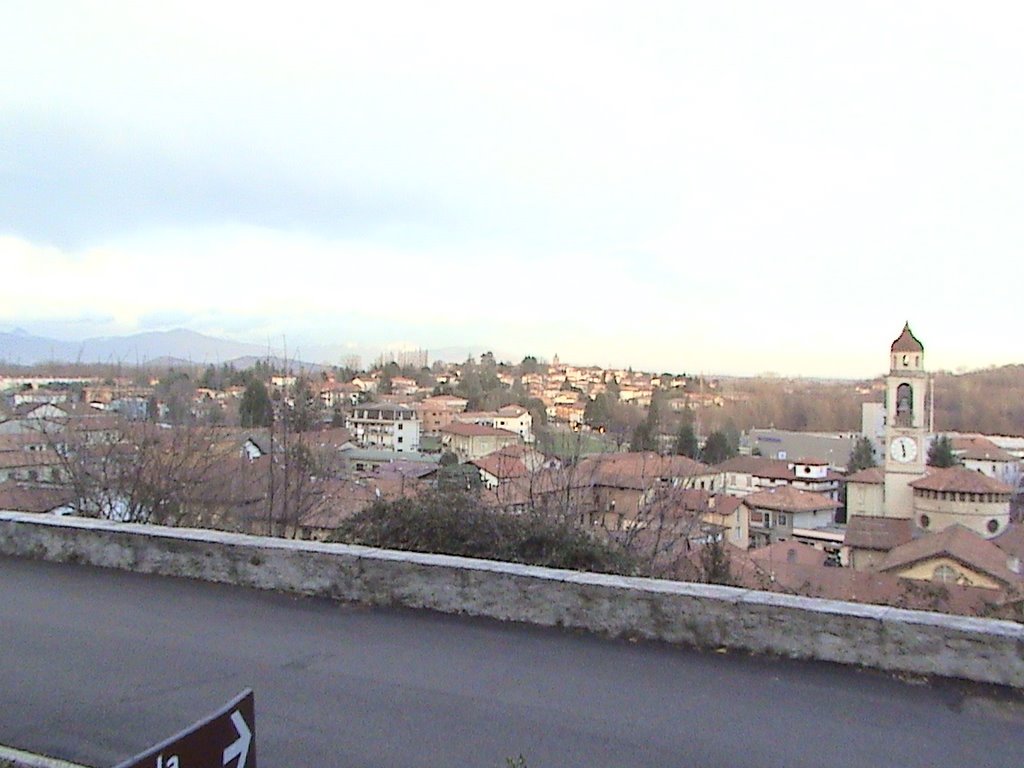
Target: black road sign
(225,739)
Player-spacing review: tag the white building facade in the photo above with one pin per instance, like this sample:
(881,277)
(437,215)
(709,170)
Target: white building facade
(385,426)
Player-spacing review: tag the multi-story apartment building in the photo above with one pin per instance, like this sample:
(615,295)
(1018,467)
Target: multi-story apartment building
(383,425)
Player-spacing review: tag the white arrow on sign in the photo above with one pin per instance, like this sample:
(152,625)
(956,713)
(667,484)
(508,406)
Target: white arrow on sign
(240,747)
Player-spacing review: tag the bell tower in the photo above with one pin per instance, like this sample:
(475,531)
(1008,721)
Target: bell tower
(906,389)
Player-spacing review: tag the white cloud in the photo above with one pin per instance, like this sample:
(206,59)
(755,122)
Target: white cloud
(734,187)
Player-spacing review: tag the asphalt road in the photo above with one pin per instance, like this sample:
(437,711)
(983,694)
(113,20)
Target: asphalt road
(97,665)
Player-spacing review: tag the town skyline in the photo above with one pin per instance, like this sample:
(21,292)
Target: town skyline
(197,348)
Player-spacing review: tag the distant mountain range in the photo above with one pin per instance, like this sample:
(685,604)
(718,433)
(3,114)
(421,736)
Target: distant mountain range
(183,347)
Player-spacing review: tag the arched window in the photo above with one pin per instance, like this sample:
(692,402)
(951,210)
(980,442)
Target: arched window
(945,574)
(904,405)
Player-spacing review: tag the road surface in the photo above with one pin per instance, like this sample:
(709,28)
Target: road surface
(97,665)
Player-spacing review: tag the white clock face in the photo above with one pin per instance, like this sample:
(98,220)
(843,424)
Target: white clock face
(903,449)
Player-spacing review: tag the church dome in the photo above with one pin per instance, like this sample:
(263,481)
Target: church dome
(907,341)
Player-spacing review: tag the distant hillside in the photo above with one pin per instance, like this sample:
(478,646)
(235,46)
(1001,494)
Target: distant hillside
(21,348)
(179,347)
(989,401)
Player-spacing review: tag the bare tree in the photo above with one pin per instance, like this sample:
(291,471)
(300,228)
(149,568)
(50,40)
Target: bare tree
(132,471)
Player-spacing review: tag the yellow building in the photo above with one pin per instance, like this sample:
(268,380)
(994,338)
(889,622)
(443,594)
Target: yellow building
(954,556)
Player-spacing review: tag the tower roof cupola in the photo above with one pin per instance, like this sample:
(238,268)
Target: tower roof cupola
(907,341)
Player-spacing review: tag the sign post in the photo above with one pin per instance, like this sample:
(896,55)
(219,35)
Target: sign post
(225,739)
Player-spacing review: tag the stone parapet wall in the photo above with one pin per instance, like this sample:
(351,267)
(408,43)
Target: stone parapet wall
(699,615)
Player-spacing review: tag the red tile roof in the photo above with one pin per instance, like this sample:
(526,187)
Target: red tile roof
(22,459)
(637,470)
(863,587)
(341,499)
(786,498)
(725,505)
(15,497)
(959,479)
(979,449)
(476,430)
(1011,540)
(877,533)
(501,467)
(871,475)
(788,552)
(754,465)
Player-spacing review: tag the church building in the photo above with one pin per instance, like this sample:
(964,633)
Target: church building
(931,499)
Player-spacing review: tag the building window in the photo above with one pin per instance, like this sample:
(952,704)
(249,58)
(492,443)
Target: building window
(782,519)
(400,438)
(945,574)
(925,521)
(993,526)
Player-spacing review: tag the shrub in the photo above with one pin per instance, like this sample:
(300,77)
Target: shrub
(455,522)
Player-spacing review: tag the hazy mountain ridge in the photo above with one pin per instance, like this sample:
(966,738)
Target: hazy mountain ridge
(137,349)
(181,346)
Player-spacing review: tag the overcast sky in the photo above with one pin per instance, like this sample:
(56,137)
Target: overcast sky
(712,186)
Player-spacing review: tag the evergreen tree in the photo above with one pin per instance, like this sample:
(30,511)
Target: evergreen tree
(255,410)
(305,412)
(598,412)
(862,457)
(611,388)
(686,442)
(643,438)
(940,453)
(717,449)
